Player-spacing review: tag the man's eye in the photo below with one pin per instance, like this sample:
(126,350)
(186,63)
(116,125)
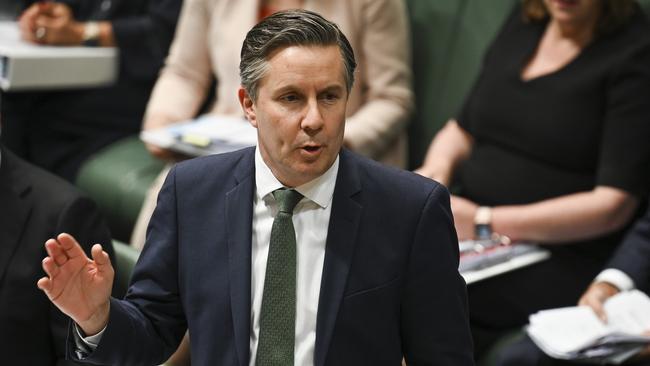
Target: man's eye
(290,98)
(331,97)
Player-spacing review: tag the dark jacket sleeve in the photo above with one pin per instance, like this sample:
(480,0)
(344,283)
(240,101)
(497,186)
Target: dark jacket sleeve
(149,324)
(633,256)
(143,39)
(435,325)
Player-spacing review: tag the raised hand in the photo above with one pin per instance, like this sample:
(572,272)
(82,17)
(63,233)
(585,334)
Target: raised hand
(78,286)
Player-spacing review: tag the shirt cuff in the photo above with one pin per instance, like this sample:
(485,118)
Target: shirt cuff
(617,278)
(85,345)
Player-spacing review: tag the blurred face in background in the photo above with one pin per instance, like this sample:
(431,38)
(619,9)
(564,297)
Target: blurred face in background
(574,13)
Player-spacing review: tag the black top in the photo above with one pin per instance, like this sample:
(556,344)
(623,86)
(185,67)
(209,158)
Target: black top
(584,125)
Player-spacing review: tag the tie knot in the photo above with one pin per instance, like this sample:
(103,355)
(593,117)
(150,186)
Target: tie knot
(287,199)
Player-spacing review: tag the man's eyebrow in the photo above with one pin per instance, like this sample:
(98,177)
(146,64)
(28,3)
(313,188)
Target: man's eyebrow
(294,88)
(333,87)
(286,88)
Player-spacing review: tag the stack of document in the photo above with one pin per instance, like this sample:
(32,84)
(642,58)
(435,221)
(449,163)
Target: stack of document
(209,134)
(576,333)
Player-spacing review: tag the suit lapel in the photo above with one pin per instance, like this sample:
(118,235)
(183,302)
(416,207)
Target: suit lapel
(339,250)
(16,206)
(239,218)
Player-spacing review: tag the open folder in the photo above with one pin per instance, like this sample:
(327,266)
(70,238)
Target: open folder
(577,334)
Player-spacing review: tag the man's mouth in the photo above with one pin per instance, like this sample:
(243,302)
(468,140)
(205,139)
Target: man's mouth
(312,148)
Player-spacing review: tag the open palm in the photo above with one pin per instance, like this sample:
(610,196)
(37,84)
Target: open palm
(78,286)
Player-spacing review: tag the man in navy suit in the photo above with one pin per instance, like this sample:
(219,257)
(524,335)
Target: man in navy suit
(368,272)
(628,269)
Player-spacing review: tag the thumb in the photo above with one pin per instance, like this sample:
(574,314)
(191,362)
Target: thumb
(598,308)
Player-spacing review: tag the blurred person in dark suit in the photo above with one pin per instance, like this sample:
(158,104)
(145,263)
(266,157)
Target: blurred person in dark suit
(628,269)
(34,206)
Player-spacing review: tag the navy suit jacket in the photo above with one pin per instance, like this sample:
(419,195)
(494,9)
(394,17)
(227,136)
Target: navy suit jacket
(390,284)
(633,256)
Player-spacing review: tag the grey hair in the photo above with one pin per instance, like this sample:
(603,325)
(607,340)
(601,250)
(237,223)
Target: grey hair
(290,28)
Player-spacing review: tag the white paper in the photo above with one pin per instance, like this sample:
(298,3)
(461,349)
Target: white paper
(577,333)
(226,133)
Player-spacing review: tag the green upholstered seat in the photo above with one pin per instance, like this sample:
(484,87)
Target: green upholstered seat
(117,178)
(433,25)
(448,40)
(645,5)
(125,258)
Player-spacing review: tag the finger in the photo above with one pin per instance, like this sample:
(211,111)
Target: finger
(27,25)
(55,252)
(50,268)
(99,256)
(42,30)
(59,9)
(47,22)
(46,7)
(70,246)
(597,306)
(30,13)
(44,284)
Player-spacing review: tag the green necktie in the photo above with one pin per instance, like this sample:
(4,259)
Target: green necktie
(278,313)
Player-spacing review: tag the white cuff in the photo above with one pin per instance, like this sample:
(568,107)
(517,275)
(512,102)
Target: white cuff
(617,278)
(90,341)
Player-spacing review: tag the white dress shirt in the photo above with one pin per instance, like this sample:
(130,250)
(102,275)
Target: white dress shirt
(617,278)
(311,218)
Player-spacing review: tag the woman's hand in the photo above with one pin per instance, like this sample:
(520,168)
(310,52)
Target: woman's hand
(51,23)
(464,211)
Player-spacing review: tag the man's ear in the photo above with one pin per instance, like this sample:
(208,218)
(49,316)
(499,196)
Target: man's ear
(248,106)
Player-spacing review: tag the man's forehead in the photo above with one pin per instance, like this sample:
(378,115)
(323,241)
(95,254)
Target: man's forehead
(296,64)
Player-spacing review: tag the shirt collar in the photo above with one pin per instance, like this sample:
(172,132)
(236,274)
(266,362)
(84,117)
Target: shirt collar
(319,190)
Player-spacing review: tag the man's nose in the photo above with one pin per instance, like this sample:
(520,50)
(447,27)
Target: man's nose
(312,120)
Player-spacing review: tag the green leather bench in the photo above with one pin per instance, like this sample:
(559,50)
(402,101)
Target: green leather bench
(117,178)
(126,257)
(448,41)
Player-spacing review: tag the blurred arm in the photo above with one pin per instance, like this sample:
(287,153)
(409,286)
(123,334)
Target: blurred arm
(449,147)
(388,96)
